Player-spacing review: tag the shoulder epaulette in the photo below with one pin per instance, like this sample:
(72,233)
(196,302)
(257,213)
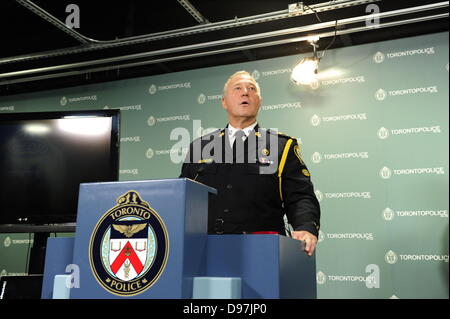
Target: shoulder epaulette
(282,134)
(276,133)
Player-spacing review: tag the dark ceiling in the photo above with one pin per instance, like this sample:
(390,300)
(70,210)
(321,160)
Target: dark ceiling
(25,35)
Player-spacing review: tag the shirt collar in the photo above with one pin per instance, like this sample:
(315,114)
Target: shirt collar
(247,130)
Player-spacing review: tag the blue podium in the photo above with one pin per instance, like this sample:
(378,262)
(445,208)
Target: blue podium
(148,239)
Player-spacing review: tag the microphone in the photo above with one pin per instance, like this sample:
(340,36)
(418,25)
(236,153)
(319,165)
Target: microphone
(199,172)
(202,169)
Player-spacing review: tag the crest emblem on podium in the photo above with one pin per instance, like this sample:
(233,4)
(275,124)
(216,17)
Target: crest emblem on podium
(129,247)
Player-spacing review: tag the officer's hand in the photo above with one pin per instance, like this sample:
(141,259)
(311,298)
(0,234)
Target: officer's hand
(309,239)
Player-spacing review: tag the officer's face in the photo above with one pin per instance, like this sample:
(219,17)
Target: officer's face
(242,99)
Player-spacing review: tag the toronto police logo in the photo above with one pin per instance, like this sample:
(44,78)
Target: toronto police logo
(201,98)
(391,257)
(149,154)
(388,214)
(152,89)
(383,133)
(129,247)
(316,157)
(315,120)
(321,278)
(315,84)
(380,95)
(151,121)
(256,74)
(385,173)
(63,101)
(379,57)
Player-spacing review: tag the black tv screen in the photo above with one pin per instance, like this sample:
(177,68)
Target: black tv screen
(45,156)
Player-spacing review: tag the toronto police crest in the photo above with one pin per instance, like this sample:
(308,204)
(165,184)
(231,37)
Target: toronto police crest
(129,247)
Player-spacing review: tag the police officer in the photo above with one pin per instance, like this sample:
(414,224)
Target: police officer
(258,173)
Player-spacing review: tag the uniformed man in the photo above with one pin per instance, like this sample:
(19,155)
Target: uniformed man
(258,173)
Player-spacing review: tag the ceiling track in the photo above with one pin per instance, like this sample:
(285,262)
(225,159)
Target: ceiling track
(54,21)
(92,44)
(213,52)
(87,66)
(193,11)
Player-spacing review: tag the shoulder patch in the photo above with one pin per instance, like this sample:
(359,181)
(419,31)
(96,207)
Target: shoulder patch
(297,153)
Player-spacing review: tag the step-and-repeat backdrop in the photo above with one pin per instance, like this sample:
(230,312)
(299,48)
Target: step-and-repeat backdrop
(373,132)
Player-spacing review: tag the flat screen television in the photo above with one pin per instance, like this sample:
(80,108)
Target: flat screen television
(45,156)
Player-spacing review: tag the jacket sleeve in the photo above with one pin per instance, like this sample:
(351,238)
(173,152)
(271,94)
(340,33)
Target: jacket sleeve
(300,203)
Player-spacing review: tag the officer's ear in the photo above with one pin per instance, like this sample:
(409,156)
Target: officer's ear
(224,105)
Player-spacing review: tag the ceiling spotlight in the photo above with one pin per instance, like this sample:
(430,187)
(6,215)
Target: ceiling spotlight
(305,72)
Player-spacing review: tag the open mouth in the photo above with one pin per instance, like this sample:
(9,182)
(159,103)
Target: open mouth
(244,103)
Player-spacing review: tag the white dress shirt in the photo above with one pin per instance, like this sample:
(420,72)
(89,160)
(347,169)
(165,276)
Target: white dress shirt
(232,131)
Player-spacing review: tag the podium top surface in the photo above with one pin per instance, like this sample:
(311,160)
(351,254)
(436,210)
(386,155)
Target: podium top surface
(166,180)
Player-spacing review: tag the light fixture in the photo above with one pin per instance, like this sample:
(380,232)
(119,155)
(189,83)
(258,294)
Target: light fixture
(85,125)
(36,129)
(305,72)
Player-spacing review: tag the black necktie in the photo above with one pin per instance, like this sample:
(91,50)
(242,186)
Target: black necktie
(238,147)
